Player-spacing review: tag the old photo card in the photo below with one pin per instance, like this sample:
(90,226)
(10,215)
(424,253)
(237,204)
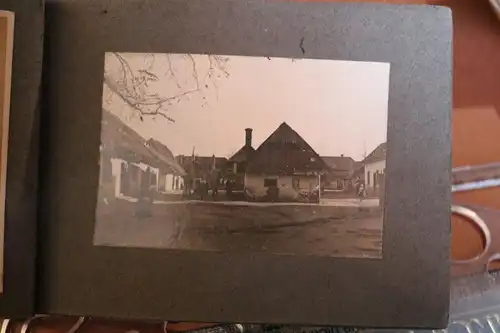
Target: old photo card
(243,154)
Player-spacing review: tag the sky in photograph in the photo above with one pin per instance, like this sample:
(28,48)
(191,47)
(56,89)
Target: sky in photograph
(338,107)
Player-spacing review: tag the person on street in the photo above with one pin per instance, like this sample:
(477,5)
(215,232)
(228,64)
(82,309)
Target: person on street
(361,191)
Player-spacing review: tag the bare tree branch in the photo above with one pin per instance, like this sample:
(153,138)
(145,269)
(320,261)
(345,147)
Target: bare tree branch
(195,72)
(220,63)
(137,105)
(132,85)
(171,71)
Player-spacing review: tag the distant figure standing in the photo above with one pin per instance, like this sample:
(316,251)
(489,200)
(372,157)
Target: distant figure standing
(229,188)
(188,182)
(214,185)
(203,189)
(361,191)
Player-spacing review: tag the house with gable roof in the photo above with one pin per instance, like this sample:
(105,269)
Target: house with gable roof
(341,172)
(170,178)
(130,166)
(373,171)
(284,168)
(237,164)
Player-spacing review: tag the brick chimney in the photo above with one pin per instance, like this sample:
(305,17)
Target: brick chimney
(248,137)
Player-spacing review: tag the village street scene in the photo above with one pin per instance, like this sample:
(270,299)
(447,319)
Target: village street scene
(277,194)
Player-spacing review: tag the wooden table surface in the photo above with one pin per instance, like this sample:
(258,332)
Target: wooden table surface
(476,133)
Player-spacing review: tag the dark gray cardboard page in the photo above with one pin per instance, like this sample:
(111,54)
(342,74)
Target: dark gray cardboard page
(18,297)
(407,288)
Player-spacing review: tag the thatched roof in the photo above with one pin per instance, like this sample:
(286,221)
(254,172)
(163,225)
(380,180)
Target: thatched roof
(285,152)
(120,141)
(165,155)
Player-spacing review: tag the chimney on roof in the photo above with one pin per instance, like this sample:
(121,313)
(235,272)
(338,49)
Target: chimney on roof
(248,137)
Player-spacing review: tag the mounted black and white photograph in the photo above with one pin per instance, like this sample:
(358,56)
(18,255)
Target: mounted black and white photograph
(240,154)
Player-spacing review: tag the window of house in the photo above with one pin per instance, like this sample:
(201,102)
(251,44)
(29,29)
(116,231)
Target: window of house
(368,177)
(270,182)
(295,183)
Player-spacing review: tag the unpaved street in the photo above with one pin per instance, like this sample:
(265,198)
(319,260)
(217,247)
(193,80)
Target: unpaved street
(278,229)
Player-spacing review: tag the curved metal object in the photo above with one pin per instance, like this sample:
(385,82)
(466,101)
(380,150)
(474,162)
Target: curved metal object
(26,326)
(488,221)
(476,177)
(6,323)
(79,323)
(473,217)
(495,4)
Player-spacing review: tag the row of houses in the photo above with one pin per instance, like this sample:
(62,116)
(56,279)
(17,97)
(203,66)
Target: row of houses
(286,161)
(131,167)
(283,168)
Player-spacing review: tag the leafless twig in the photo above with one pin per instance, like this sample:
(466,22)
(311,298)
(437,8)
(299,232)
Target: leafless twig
(195,72)
(171,71)
(132,85)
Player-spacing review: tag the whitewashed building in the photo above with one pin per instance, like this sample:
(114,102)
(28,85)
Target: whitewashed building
(171,176)
(374,169)
(131,166)
(284,168)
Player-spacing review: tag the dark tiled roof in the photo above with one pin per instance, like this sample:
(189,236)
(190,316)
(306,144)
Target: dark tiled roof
(243,155)
(285,152)
(378,154)
(341,163)
(201,163)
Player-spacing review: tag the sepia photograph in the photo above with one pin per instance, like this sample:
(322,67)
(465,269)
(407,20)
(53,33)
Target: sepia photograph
(243,154)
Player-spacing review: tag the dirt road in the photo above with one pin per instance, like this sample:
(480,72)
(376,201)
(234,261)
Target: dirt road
(301,229)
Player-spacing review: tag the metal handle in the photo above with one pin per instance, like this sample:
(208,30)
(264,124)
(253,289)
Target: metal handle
(473,217)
